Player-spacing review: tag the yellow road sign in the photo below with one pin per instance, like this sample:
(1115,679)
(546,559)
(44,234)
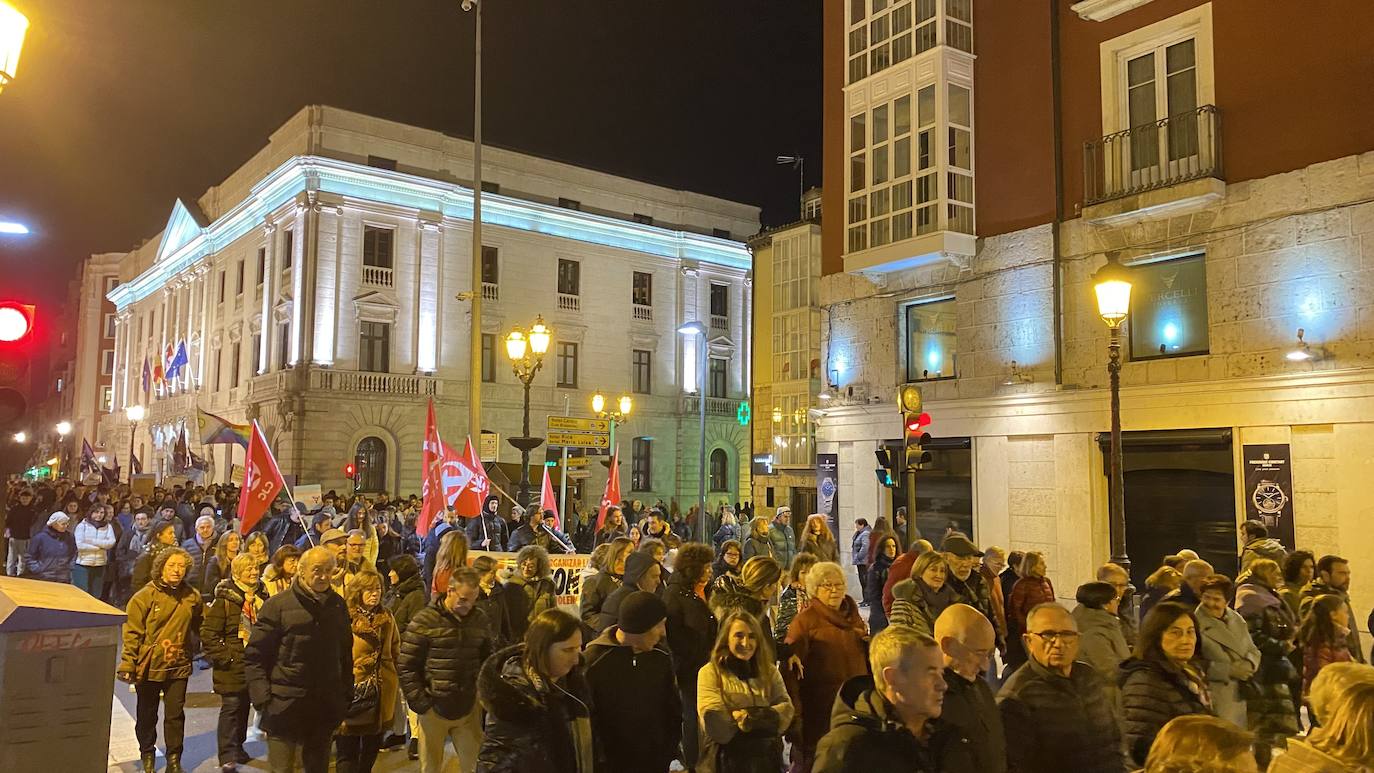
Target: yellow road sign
(579,439)
(574,424)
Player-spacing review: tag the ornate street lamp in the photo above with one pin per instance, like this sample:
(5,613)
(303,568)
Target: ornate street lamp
(135,414)
(13,26)
(526,352)
(1112,284)
(615,416)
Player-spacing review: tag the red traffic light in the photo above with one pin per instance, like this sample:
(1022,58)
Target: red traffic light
(350,471)
(16,321)
(915,423)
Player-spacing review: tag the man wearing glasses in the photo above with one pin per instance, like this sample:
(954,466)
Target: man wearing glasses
(1058,714)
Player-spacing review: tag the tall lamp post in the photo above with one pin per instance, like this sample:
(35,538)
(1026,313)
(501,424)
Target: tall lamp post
(526,352)
(475,339)
(64,428)
(698,330)
(13,26)
(1113,285)
(135,414)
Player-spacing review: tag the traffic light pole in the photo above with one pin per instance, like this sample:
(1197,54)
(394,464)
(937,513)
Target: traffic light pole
(909,473)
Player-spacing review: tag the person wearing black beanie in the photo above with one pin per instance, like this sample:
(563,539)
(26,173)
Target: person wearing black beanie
(642,573)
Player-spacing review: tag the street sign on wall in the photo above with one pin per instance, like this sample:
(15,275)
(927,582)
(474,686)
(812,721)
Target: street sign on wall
(573,432)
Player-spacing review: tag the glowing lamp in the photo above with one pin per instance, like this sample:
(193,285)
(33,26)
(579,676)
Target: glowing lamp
(598,402)
(13,26)
(516,345)
(625,405)
(135,413)
(1113,285)
(540,334)
(15,321)
(64,428)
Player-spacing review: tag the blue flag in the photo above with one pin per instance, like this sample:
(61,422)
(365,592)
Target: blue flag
(178,361)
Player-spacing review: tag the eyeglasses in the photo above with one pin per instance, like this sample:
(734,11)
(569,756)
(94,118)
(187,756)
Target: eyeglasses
(1050,637)
(831,586)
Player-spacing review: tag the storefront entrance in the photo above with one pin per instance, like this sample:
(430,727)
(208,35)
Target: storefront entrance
(944,490)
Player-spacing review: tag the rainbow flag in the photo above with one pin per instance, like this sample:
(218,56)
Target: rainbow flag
(214,429)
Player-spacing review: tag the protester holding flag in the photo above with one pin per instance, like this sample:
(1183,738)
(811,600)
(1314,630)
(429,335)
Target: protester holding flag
(488,530)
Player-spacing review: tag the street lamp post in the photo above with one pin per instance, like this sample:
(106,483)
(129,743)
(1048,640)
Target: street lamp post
(698,330)
(475,336)
(135,414)
(1112,283)
(526,352)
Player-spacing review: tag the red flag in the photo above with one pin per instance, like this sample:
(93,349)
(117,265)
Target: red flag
(431,485)
(612,495)
(262,481)
(474,482)
(547,501)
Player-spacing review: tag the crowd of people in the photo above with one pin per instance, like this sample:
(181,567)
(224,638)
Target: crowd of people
(341,633)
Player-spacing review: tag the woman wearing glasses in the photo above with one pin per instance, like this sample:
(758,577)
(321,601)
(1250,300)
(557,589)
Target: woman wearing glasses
(1161,680)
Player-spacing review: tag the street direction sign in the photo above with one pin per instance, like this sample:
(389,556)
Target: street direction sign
(579,439)
(573,424)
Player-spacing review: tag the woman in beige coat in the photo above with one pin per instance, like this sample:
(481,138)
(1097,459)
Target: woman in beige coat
(741,700)
(376,685)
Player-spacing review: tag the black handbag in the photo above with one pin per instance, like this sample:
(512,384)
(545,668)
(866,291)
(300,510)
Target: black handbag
(753,752)
(362,710)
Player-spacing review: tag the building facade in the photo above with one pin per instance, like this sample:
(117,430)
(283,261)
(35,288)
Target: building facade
(1236,190)
(317,290)
(92,374)
(787,376)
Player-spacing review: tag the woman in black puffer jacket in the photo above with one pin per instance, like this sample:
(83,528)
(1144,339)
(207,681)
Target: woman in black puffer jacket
(1161,681)
(237,599)
(537,702)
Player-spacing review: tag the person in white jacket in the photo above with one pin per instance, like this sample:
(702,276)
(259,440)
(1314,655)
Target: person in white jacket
(94,539)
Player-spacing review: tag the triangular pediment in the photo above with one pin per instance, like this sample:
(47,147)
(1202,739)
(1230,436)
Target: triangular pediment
(376,306)
(185,224)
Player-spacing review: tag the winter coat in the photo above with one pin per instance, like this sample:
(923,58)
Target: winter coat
(533,726)
(1025,595)
(219,635)
(858,547)
(792,600)
(488,526)
(833,647)
(404,599)
(1101,643)
(1060,723)
(440,656)
(375,645)
(50,555)
(1291,593)
(299,663)
(721,691)
(718,570)
(971,707)
(20,519)
(916,605)
(274,583)
(866,736)
(200,564)
(976,593)
(636,565)
(93,543)
(160,621)
(823,551)
(725,533)
(1231,658)
(607,534)
(691,628)
(873,592)
(507,613)
(594,594)
(898,571)
(1302,757)
(1317,655)
(1264,547)
(757,546)
(638,716)
(128,550)
(784,541)
(540,594)
(1318,588)
(1151,695)
(999,601)
(143,567)
(526,535)
(1272,627)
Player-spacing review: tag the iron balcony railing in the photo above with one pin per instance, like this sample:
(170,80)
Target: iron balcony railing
(1172,150)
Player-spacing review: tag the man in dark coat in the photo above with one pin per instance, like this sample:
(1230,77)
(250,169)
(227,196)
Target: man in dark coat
(1058,714)
(442,651)
(691,633)
(299,666)
(967,640)
(488,530)
(638,716)
(892,719)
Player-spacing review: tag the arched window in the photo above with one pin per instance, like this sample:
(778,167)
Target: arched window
(720,470)
(371,457)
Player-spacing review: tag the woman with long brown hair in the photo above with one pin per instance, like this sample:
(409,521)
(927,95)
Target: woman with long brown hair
(741,700)
(818,541)
(376,684)
(453,553)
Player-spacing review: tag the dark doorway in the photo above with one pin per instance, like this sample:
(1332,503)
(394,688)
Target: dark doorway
(803,504)
(944,490)
(1180,493)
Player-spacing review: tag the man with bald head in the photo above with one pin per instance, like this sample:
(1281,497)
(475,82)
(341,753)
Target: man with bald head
(1057,713)
(967,641)
(299,666)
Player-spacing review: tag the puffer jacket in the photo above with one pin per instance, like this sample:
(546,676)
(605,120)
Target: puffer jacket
(1231,658)
(533,729)
(691,628)
(1269,708)
(757,546)
(792,600)
(299,663)
(404,599)
(219,634)
(784,541)
(160,620)
(441,655)
(1264,547)
(725,533)
(93,543)
(1060,723)
(1151,695)
(918,606)
(50,555)
(971,707)
(594,594)
(858,547)
(866,736)
(1101,643)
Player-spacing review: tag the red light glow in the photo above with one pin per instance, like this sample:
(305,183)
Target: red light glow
(14,323)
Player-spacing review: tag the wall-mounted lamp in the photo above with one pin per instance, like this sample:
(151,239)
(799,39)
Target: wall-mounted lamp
(1302,351)
(1017,376)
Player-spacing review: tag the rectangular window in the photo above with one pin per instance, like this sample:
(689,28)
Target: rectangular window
(569,203)
(256,353)
(491,265)
(262,265)
(109,320)
(379,162)
(288,248)
(106,399)
(238,281)
(377,246)
(488,357)
(567,364)
(218,365)
(111,282)
(720,233)
(641,464)
(717,383)
(569,277)
(235,351)
(643,219)
(642,292)
(720,300)
(1169,308)
(107,358)
(374,347)
(930,340)
(641,371)
(221,286)
(283,344)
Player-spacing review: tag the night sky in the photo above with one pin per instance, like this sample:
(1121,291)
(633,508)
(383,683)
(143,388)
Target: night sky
(121,106)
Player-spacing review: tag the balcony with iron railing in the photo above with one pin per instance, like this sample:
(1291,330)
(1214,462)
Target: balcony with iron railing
(569,302)
(491,291)
(378,276)
(1172,163)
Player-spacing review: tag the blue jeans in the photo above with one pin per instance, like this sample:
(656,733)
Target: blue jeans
(89,578)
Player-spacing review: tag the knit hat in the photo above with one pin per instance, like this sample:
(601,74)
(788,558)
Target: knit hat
(59,517)
(333,535)
(636,564)
(641,611)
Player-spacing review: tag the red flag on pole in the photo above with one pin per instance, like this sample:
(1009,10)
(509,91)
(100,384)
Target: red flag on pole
(431,482)
(547,501)
(262,481)
(473,478)
(612,495)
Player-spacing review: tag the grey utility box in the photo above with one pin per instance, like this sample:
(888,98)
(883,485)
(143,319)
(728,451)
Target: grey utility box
(58,650)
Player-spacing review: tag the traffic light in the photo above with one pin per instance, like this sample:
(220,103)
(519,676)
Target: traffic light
(351,472)
(16,354)
(914,422)
(887,471)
